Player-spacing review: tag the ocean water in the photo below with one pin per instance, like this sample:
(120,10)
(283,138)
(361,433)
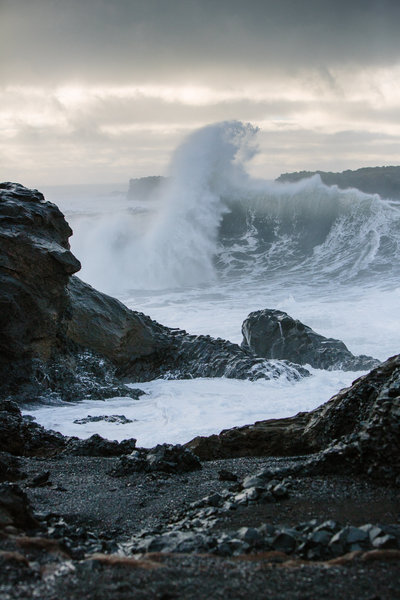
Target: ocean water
(212,244)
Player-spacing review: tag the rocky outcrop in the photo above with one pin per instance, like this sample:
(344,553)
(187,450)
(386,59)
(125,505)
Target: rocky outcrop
(143,188)
(35,265)
(371,180)
(141,349)
(63,339)
(108,328)
(274,334)
(358,430)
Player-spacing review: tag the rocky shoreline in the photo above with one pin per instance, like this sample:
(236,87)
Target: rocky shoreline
(292,508)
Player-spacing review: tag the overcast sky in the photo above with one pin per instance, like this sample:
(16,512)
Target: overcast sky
(101,90)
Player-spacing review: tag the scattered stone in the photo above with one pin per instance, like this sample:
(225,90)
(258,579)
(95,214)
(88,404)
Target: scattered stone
(225,475)
(316,544)
(385,542)
(285,541)
(40,480)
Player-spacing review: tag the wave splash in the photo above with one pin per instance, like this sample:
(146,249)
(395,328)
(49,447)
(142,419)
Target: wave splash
(212,220)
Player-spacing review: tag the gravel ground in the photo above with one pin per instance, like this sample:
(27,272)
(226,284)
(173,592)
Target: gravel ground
(84,493)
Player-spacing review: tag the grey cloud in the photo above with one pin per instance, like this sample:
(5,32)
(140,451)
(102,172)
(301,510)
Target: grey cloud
(137,40)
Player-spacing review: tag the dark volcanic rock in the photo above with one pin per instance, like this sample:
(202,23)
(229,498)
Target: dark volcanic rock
(357,430)
(274,334)
(141,349)
(22,437)
(15,509)
(164,457)
(9,467)
(108,328)
(120,419)
(35,264)
(98,446)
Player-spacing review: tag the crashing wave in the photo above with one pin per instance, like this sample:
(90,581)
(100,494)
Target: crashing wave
(211,220)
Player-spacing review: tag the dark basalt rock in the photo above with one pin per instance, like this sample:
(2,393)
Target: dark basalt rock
(15,508)
(311,540)
(274,334)
(35,264)
(79,374)
(141,349)
(9,468)
(120,419)
(22,437)
(357,430)
(164,457)
(98,446)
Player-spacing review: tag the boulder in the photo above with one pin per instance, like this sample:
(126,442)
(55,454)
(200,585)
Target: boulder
(9,467)
(15,508)
(274,334)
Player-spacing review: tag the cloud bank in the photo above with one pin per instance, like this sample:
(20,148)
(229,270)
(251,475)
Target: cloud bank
(101,91)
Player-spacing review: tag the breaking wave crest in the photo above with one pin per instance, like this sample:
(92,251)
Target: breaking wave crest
(308,228)
(212,220)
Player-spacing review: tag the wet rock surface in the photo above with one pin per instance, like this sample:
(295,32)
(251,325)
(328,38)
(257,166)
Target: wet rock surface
(119,419)
(274,334)
(35,266)
(141,349)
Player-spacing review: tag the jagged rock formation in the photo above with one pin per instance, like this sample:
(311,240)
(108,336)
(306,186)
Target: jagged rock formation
(357,430)
(142,349)
(274,334)
(35,265)
(62,338)
(371,180)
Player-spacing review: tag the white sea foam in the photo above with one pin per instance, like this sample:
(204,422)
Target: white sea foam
(177,411)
